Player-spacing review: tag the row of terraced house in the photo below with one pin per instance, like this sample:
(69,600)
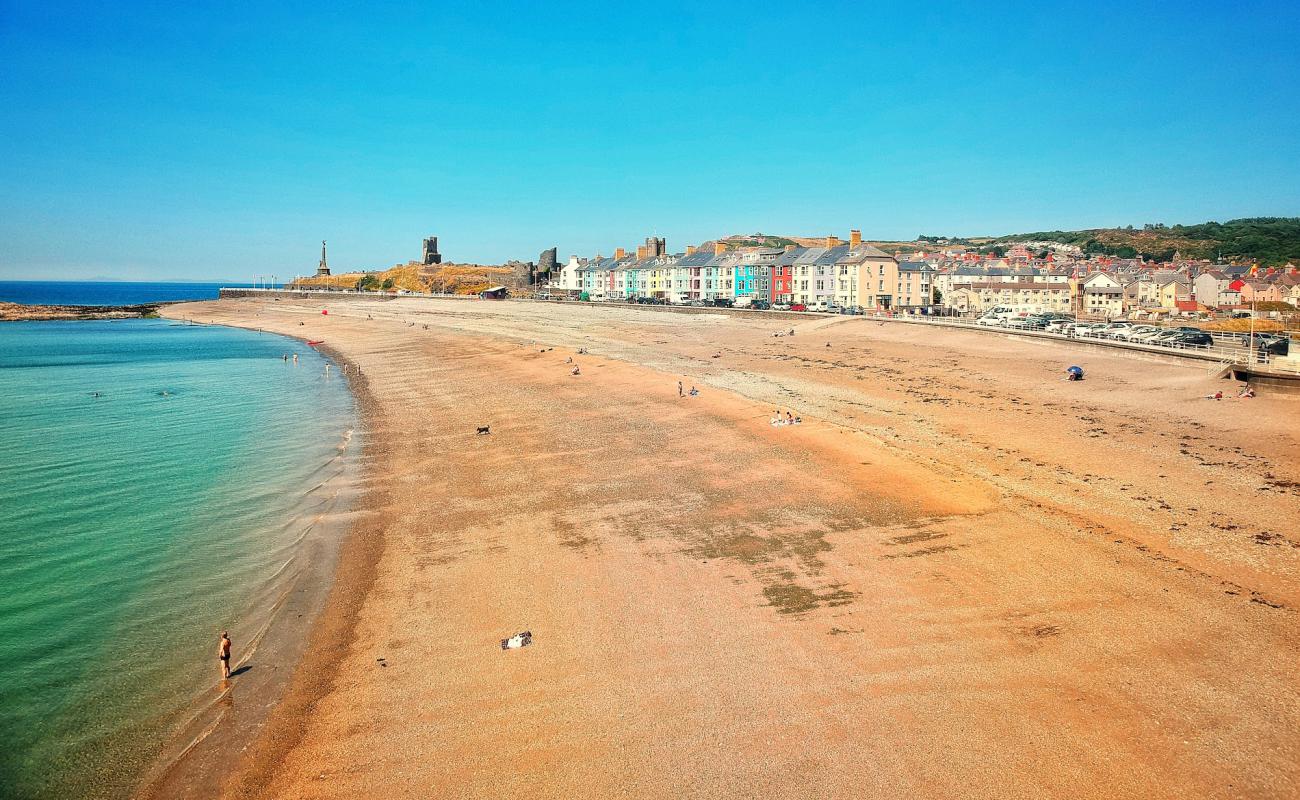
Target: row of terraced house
(849,274)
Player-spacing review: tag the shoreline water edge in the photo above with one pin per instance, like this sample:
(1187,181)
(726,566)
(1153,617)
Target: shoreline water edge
(261,566)
(307,618)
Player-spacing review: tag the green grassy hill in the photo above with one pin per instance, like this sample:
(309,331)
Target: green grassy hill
(1271,241)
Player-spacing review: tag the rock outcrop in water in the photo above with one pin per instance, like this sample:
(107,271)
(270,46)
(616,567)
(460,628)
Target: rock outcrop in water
(16,312)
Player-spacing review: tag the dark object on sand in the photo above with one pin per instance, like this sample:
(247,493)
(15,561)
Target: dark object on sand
(1074,373)
(518,640)
(483,430)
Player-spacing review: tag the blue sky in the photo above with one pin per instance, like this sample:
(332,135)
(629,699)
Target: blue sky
(155,141)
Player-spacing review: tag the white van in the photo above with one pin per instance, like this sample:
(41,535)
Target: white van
(998,315)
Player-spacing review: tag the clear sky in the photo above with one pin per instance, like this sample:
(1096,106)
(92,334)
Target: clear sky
(187,140)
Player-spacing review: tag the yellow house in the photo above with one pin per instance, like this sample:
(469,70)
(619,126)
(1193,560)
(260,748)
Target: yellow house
(658,281)
(1173,291)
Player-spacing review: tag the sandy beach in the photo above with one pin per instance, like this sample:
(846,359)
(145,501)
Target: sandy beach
(960,576)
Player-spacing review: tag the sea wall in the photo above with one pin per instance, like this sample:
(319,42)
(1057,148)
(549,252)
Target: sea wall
(333,296)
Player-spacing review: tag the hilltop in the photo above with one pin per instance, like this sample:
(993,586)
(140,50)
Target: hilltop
(1269,241)
(442,278)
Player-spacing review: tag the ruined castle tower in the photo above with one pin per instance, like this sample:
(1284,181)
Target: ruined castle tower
(546,263)
(431,255)
(324,268)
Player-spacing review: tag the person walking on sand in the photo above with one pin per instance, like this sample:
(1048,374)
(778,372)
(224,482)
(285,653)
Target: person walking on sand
(223,654)
(680,392)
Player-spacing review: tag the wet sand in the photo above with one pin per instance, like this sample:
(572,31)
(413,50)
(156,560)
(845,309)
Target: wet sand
(962,576)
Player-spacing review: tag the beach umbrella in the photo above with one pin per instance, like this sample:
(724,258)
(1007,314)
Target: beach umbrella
(325,311)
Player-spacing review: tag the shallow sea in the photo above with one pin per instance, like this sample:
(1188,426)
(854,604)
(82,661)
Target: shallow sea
(138,523)
(105,293)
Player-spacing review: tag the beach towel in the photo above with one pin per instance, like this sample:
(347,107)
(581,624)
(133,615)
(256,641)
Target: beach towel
(518,640)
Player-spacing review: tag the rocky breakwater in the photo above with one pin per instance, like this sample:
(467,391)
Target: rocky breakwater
(15,312)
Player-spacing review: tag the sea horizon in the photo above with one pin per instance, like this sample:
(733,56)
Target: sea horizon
(108,292)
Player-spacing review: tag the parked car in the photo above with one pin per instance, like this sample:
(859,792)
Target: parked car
(1111,330)
(1145,336)
(990,321)
(760,305)
(781,307)
(798,307)
(1079,329)
(723,302)
(1128,333)
(1193,340)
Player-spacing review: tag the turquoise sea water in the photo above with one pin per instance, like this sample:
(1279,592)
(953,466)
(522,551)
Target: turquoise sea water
(136,525)
(105,293)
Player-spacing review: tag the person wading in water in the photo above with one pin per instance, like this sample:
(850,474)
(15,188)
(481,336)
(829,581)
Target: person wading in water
(223,655)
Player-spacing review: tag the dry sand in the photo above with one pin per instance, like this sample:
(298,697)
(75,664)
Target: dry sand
(961,577)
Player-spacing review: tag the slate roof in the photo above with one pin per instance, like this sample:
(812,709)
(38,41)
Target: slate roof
(697,259)
(831,255)
(790,256)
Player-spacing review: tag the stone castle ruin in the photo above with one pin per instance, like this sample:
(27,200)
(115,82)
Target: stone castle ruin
(431,254)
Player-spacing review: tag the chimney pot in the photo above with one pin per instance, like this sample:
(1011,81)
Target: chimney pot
(855,238)
(832,241)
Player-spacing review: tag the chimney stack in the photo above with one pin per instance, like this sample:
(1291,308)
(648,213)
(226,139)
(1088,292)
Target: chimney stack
(620,253)
(642,252)
(832,241)
(719,248)
(690,249)
(855,238)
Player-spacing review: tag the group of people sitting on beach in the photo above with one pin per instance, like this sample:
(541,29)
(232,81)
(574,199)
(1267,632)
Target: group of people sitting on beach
(1245,394)
(788,419)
